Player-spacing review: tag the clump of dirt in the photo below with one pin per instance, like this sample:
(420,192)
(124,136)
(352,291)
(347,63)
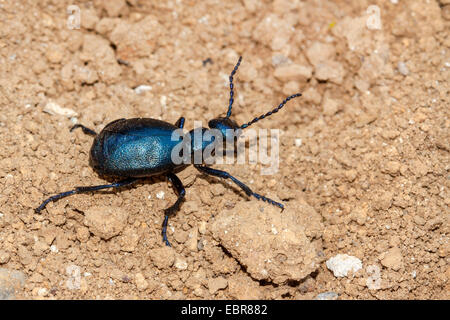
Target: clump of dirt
(364,153)
(281,250)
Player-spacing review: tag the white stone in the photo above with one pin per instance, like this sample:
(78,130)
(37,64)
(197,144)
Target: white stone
(160,195)
(403,68)
(42,292)
(53,108)
(142,88)
(327,296)
(180,264)
(341,264)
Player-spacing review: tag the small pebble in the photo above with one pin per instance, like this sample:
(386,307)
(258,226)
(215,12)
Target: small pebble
(331,106)
(202,227)
(279,59)
(105,222)
(293,72)
(142,88)
(42,292)
(4,257)
(160,195)
(327,296)
(114,7)
(341,264)
(402,68)
(180,264)
(200,245)
(55,54)
(393,259)
(140,281)
(53,108)
(330,70)
(10,282)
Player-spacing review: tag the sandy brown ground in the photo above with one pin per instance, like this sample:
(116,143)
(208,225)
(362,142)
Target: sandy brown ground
(364,152)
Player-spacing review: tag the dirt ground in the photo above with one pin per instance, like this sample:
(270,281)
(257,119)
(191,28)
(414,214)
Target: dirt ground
(364,153)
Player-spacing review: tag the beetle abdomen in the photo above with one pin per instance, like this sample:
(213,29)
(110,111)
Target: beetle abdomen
(134,148)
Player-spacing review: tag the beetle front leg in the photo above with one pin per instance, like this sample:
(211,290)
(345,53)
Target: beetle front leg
(246,189)
(179,189)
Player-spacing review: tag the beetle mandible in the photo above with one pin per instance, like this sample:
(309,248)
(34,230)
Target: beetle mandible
(133,149)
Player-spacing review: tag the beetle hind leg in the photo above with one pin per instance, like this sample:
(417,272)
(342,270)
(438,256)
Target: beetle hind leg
(83,189)
(86,130)
(179,189)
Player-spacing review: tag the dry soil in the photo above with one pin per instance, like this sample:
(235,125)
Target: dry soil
(364,154)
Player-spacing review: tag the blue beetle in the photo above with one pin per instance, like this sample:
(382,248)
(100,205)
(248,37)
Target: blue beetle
(132,149)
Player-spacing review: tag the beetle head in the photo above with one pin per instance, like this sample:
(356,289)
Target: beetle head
(226,126)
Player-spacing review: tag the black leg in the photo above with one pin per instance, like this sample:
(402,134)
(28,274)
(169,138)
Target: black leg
(84,189)
(180,123)
(247,190)
(85,129)
(179,189)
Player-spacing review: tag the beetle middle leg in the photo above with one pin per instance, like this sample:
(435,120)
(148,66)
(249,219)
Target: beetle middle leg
(247,190)
(85,189)
(179,189)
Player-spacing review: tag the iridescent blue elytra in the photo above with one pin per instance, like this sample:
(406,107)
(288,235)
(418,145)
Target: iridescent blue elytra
(132,149)
(138,147)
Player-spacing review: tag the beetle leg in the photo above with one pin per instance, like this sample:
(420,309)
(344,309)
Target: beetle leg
(180,123)
(247,190)
(85,130)
(84,189)
(179,189)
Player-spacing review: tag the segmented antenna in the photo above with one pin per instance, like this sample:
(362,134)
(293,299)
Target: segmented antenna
(232,87)
(270,112)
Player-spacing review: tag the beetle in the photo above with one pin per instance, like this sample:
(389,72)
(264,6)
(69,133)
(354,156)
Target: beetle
(133,149)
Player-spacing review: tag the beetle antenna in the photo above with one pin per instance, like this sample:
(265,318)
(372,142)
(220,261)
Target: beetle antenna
(270,112)
(232,87)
